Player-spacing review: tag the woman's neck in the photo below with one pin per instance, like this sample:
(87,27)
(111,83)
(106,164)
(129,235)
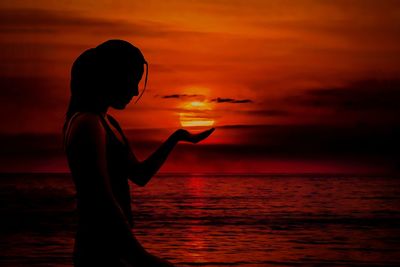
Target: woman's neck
(103,111)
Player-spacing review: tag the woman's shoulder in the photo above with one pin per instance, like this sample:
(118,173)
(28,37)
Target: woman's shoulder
(86,119)
(86,125)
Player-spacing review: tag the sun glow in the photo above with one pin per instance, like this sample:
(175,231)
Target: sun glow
(196,114)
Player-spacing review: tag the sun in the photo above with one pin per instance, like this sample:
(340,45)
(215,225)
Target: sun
(196,114)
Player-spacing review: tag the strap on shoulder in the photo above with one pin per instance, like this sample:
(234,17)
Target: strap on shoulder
(115,123)
(67,130)
(73,117)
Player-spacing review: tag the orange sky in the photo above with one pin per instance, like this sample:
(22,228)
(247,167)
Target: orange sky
(255,63)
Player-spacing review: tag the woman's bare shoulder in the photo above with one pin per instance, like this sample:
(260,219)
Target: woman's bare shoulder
(87,125)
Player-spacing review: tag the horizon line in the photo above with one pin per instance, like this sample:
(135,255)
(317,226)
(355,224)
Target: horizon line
(280,174)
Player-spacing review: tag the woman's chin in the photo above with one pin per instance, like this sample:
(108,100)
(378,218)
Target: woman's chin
(120,105)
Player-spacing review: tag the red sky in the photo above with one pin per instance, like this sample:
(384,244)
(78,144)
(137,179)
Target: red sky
(290,85)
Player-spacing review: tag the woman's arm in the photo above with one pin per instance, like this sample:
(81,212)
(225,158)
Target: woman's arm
(142,172)
(88,163)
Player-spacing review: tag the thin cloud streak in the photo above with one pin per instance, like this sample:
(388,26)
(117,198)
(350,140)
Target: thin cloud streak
(180,96)
(231,100)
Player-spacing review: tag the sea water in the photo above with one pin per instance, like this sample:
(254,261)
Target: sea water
(217,220)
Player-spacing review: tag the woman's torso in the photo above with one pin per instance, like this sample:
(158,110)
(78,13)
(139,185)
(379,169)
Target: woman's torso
(91,213)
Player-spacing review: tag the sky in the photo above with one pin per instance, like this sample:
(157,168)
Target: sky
(291,86)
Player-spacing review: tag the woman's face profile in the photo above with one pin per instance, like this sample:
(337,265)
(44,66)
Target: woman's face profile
(125,86)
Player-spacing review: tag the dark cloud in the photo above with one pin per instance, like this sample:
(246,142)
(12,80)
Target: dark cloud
(313,141)
(361,95)
(202,97)
(30,92)
(47,21)
(25,96)
(26,100)
(374,102)
(385,28)
(176,96)
(359,143)
(371,95)
(247,140)
(231,100)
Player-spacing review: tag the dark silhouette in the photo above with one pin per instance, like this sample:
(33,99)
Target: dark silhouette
(100,158)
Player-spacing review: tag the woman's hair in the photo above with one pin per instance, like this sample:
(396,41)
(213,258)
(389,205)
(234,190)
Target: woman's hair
(96,70)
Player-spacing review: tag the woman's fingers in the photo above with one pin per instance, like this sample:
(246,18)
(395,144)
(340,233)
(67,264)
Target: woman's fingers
(201,136)
(184,135)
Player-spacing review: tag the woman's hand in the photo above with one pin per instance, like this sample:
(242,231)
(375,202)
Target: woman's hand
(184,135)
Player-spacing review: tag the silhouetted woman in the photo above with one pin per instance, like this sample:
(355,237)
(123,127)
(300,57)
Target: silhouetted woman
(100,158)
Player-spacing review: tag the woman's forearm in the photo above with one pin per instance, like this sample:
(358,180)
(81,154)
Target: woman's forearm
(141,172)
(146,169)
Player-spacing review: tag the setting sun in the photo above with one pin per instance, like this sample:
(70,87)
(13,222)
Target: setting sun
(196,114)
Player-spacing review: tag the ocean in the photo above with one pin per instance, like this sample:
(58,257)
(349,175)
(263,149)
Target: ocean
(217,220)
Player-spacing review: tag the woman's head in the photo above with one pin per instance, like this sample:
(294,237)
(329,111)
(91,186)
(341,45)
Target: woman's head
(107,75)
